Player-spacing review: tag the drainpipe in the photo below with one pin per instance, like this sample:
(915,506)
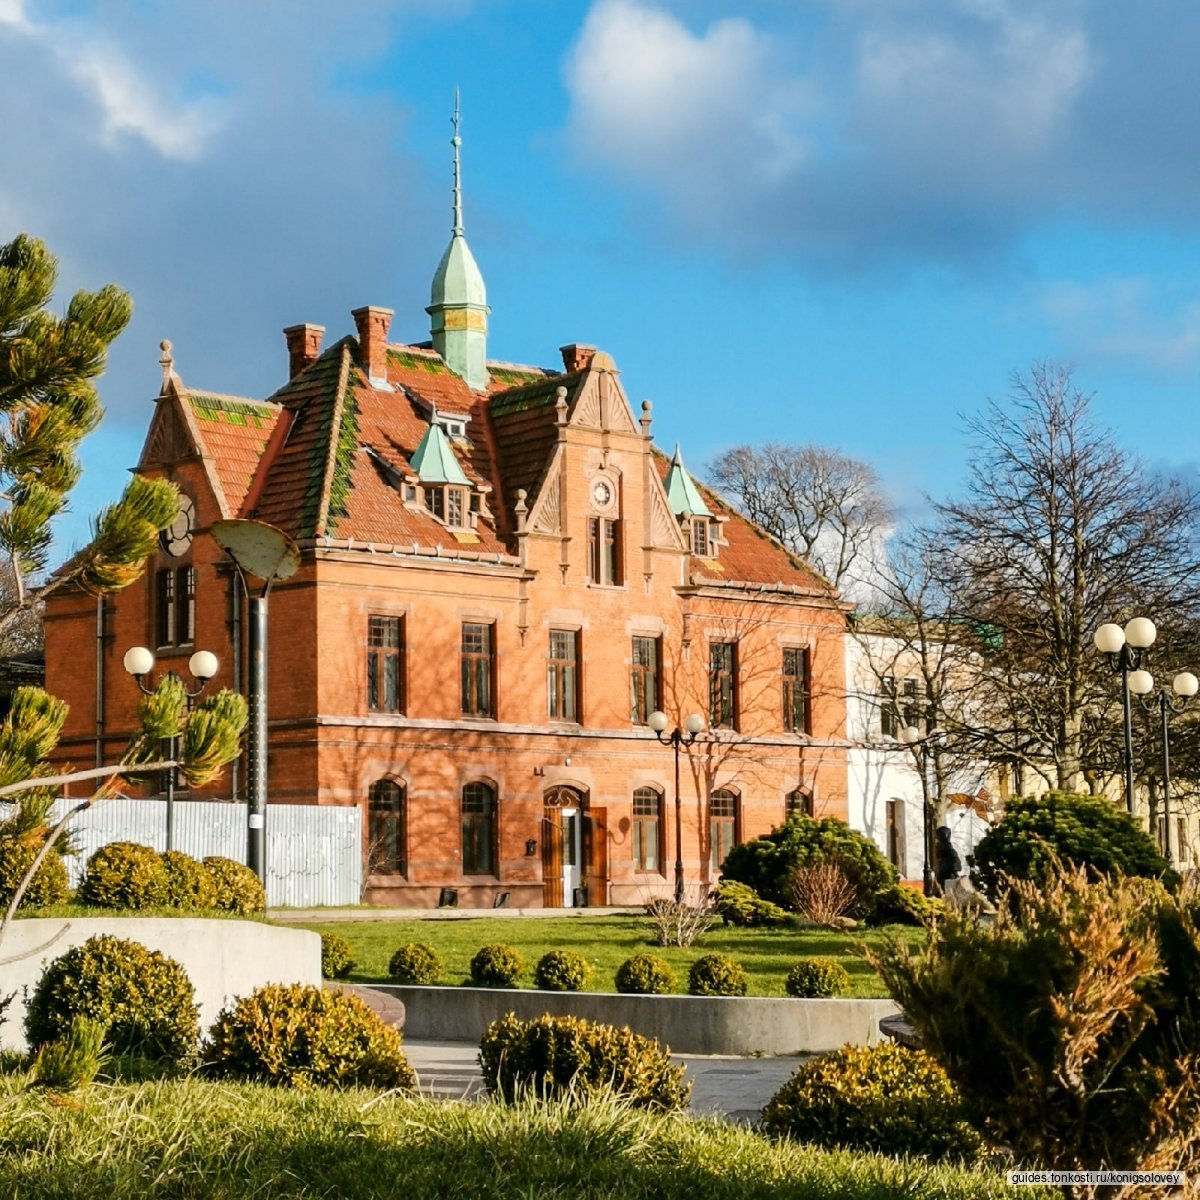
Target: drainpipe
(235,637)
(99,681)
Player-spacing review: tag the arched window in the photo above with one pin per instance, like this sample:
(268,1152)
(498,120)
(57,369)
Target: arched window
(798,803)
(722,825)
(647,829)
(387,835)
(478,829)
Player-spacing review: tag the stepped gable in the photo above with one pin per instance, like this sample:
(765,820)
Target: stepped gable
(525,428)
(751,555)
(235,432)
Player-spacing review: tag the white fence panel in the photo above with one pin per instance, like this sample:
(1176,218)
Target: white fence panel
(314,852)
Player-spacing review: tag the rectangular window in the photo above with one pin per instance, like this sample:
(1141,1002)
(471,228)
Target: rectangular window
(385,664)
(722,684)
(604,551)
(722,826)
(647,825)
(478,830)
(1183,847)
(562,675)
(435,501)
(385,829)
(478,654)
(454,507)
(700,537)
(895,837)
(644,679)
(795,691)
(175,606)
(899,705)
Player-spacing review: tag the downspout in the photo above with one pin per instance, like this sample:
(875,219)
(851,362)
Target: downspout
(235,637)
(99,681)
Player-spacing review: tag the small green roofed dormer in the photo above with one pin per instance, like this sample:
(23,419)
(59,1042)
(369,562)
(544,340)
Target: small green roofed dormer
(434,460)
(682,494)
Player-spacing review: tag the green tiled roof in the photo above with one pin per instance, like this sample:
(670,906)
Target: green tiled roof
(419,362)
(530,395)
(228,411)
(434,461)
(682,494)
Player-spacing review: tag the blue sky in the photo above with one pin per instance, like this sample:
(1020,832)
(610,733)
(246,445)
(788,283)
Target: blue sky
(837,221)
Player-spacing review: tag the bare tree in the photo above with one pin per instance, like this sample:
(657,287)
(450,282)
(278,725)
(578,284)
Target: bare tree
(1059,530)
(827,508)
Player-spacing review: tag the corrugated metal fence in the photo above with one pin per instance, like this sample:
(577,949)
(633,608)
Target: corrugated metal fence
(314,852)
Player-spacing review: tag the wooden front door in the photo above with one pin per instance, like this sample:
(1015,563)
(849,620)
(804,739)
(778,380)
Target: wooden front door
(564,807)
(595,856)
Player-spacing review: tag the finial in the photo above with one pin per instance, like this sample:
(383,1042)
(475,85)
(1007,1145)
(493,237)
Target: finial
(560,404)
(678,456)
(167,362)
(456,141)
(646,407)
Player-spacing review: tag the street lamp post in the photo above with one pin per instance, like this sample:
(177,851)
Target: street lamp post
(1183,687)
(1126,650)
(139,662)
(910,735)
(678,737)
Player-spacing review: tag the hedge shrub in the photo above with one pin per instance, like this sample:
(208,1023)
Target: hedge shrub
(125,875)
(562,971)
(557,1057)
(885,1098)
(238,889)
(298,1035)
(146,999)
(415,963)
(766,864)
(1081,831)
(817,979)
(900,905)
(337,959)
(717,975)
(48,886)
(645,975)
(189,883)
(497,965)
(740,904)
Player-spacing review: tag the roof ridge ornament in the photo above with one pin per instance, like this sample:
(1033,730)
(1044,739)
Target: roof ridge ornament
(456,141)
(167,362)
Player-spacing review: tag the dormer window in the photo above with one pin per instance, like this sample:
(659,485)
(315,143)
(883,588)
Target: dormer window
(454,427)
(448,504)
(701,543)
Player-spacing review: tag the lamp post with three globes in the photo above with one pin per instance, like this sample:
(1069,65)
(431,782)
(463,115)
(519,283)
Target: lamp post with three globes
(693,725)
(1126,651)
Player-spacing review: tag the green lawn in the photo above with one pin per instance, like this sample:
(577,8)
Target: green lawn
(606,942)
(190,1140)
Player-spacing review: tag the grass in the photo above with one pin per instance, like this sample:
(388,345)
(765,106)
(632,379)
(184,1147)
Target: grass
(87,910)
(606,942)
(188,1140)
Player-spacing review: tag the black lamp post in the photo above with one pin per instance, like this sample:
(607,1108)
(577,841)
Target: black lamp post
(693,725)
(1183,687)
(1125,650)
(910,735)
(139,662)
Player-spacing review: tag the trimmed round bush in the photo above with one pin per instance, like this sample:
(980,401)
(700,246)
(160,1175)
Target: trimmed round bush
(238,889)
(125,875)
(146,999)
(717,975)
(817,979)
(415,963)
(189,883)
(48,886)
(297,1035)
(1082,831)
(900,905)
(337,959)
(885,1098)
(497,965)
(645,975)
(562,971)
(740,904)
(565,1057)
(766,864)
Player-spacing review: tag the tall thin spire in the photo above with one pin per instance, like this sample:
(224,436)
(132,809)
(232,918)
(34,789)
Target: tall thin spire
(456,141)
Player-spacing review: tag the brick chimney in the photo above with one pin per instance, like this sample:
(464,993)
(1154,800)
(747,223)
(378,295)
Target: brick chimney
(373,324)
(576,357)
(304,346)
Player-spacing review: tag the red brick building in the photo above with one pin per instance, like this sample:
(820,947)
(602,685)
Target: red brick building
(501,579)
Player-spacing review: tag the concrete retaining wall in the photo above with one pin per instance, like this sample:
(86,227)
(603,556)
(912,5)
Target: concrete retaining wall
(688,1024)
(223,959)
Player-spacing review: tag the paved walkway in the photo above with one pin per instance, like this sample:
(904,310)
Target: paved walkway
(733,1088)
(317,916)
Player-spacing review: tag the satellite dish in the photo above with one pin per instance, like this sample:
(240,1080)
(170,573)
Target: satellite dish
(258,548)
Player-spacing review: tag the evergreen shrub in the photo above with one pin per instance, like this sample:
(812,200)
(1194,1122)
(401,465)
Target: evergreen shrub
(189,883)
(565,1057)
(817,979)
(645,975)
(125,875)
(717,975)
(739,904)
(900,905)
(415,963)
(297,1035)
(145,998)
(48,886)
(497,965)
(885,1098)
(562,971)
(238,889)
(337,959)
